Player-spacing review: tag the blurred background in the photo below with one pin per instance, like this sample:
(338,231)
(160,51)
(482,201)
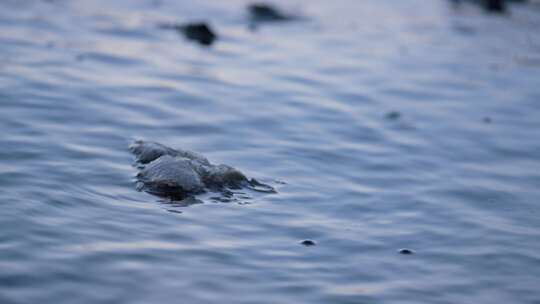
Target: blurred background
(382,124)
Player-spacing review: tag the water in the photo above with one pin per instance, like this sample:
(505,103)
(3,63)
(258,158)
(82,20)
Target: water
(454,177)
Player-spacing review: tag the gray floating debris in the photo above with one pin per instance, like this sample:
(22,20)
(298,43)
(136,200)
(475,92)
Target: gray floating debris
(180,174)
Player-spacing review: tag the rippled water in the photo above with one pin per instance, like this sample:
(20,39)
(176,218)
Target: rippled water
(452,174)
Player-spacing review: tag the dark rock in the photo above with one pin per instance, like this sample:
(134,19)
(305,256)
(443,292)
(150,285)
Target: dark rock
(487,120)
(170,176)
(308,243)
(147,152)
(178,174)
(406,251)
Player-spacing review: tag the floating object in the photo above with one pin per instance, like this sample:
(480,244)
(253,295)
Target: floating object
(406,251)
(491,6)
(308,243)
(199,32)
(179,174)
(394,115)
(498,6)
(261,12)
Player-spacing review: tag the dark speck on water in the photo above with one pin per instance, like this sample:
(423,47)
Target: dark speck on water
(174,211)
(266,12)
(324,145)
(406,251)
(308,243)
(490,6)
(199,32)
(394,115)
(498,6)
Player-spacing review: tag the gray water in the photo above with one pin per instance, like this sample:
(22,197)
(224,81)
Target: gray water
(301,105)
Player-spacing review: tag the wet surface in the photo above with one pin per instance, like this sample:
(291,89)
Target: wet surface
(179,174)
(302,105)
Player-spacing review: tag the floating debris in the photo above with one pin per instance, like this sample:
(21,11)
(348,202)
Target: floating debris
(174,211)
(261,12)
(491,6)
(497,6)
(180,174)
(406,251)
(393,115)
(198,31)
(308,243)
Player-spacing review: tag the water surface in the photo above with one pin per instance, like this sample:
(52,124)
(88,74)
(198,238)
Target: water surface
(303,105)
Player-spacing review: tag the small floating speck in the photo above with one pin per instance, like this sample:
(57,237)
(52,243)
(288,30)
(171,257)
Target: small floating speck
(308,243)
(393,115)
(487,120)
(406,251)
